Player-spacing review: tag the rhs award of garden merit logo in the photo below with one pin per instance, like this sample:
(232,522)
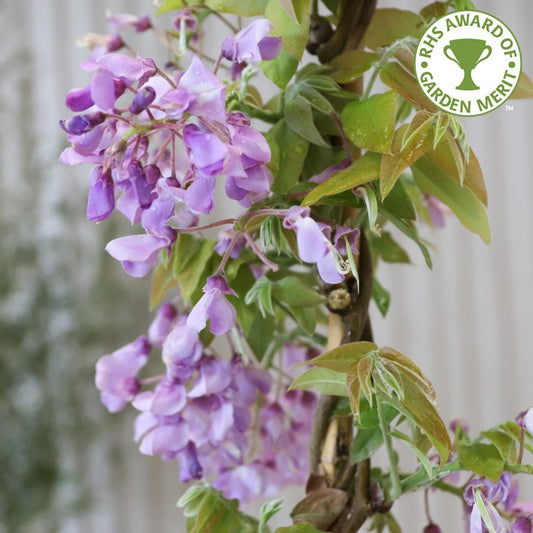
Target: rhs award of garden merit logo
(468,63)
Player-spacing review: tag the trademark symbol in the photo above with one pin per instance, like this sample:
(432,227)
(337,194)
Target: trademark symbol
(509,107)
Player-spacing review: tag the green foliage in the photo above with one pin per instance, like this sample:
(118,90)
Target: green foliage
(298,528)
(207,511)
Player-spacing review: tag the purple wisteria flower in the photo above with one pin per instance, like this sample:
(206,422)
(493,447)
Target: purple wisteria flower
(138,254)
(101,201)
(214,306)
(116,374)
(252,44)
(313,246)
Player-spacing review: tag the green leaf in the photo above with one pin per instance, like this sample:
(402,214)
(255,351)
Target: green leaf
(341,358)
(483,511)
(299,117)
(389,25)
(298,528)
(292,153)
(408,229)
(422,457)
(361,171)
(388,249)
(524,87)
(323,380)
(293,291)
(416,407)
(261,334)
(162,282)
(369,122)
(293,33)
(403,82)
(207,511)
(191,258)
(482,459)
(351,65)
(381,296)
(399,203)
(304,317)
(268,510)
(170,5)
(244,8)
(461,200)
(505,443)
(365,443)
(313,97)
(281,69)
(261,292)
(242,284)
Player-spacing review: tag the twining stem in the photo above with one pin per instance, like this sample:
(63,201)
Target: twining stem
(385,429)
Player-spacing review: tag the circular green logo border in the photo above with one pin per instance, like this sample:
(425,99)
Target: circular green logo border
(467,98)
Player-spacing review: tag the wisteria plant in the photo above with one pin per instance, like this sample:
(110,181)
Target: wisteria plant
(320,180)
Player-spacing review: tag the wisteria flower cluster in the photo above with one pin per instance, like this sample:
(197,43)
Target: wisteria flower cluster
(320,179)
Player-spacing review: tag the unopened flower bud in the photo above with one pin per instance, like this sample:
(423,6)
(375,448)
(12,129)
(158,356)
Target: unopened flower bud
(142,100)
(115,43)
(320,32)
(432,528)
(79,99)
(79,124)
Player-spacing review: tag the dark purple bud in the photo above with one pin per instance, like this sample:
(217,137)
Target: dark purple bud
(432,528)
(152,174)
(115,43)
(142,23)
(142,100)
(79,99)
(143,191)
(190,467)
(79,124)
(101,200)
(378,501)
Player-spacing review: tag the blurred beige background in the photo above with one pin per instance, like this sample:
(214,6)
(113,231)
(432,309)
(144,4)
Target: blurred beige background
(468,322)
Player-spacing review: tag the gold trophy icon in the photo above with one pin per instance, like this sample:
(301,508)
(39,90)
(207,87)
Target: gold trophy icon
(468,54)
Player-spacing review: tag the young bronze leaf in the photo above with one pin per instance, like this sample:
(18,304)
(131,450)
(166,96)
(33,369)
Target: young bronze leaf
(322,380)
(364,369)
(416,407)
(162,282)
(246,8)
(389,25)
(361,171)
(462,201)
(399,79)
(320,507)
(341,358)
(369,123)
(351,65)
(353,385)
(410,142)
(443,157)
(299,117)
(524,88)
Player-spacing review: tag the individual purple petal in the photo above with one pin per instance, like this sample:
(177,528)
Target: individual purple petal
(165,438)
(225,237)
(125,67)
(125,21)
(221,423)
(206,151)
(191,22)
(528,420)
(89,142)
(101,201)
(269,48)
(162,324)
(137,253)
(244,483)
(116,373)
(182,345)
(169,398)
(328,172)
(144,423)
(293,215)
(252,145)
(128,204)
(159,212)
(199,197)
(352,234)
(209,91)
(248,46)
(103,90)
(215,376)
(221,314)
(197,319)
(190,467)
(79,99)
(176,102)
(437,210)
(310,240)
(327,268)
(242,418)
(69,156)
